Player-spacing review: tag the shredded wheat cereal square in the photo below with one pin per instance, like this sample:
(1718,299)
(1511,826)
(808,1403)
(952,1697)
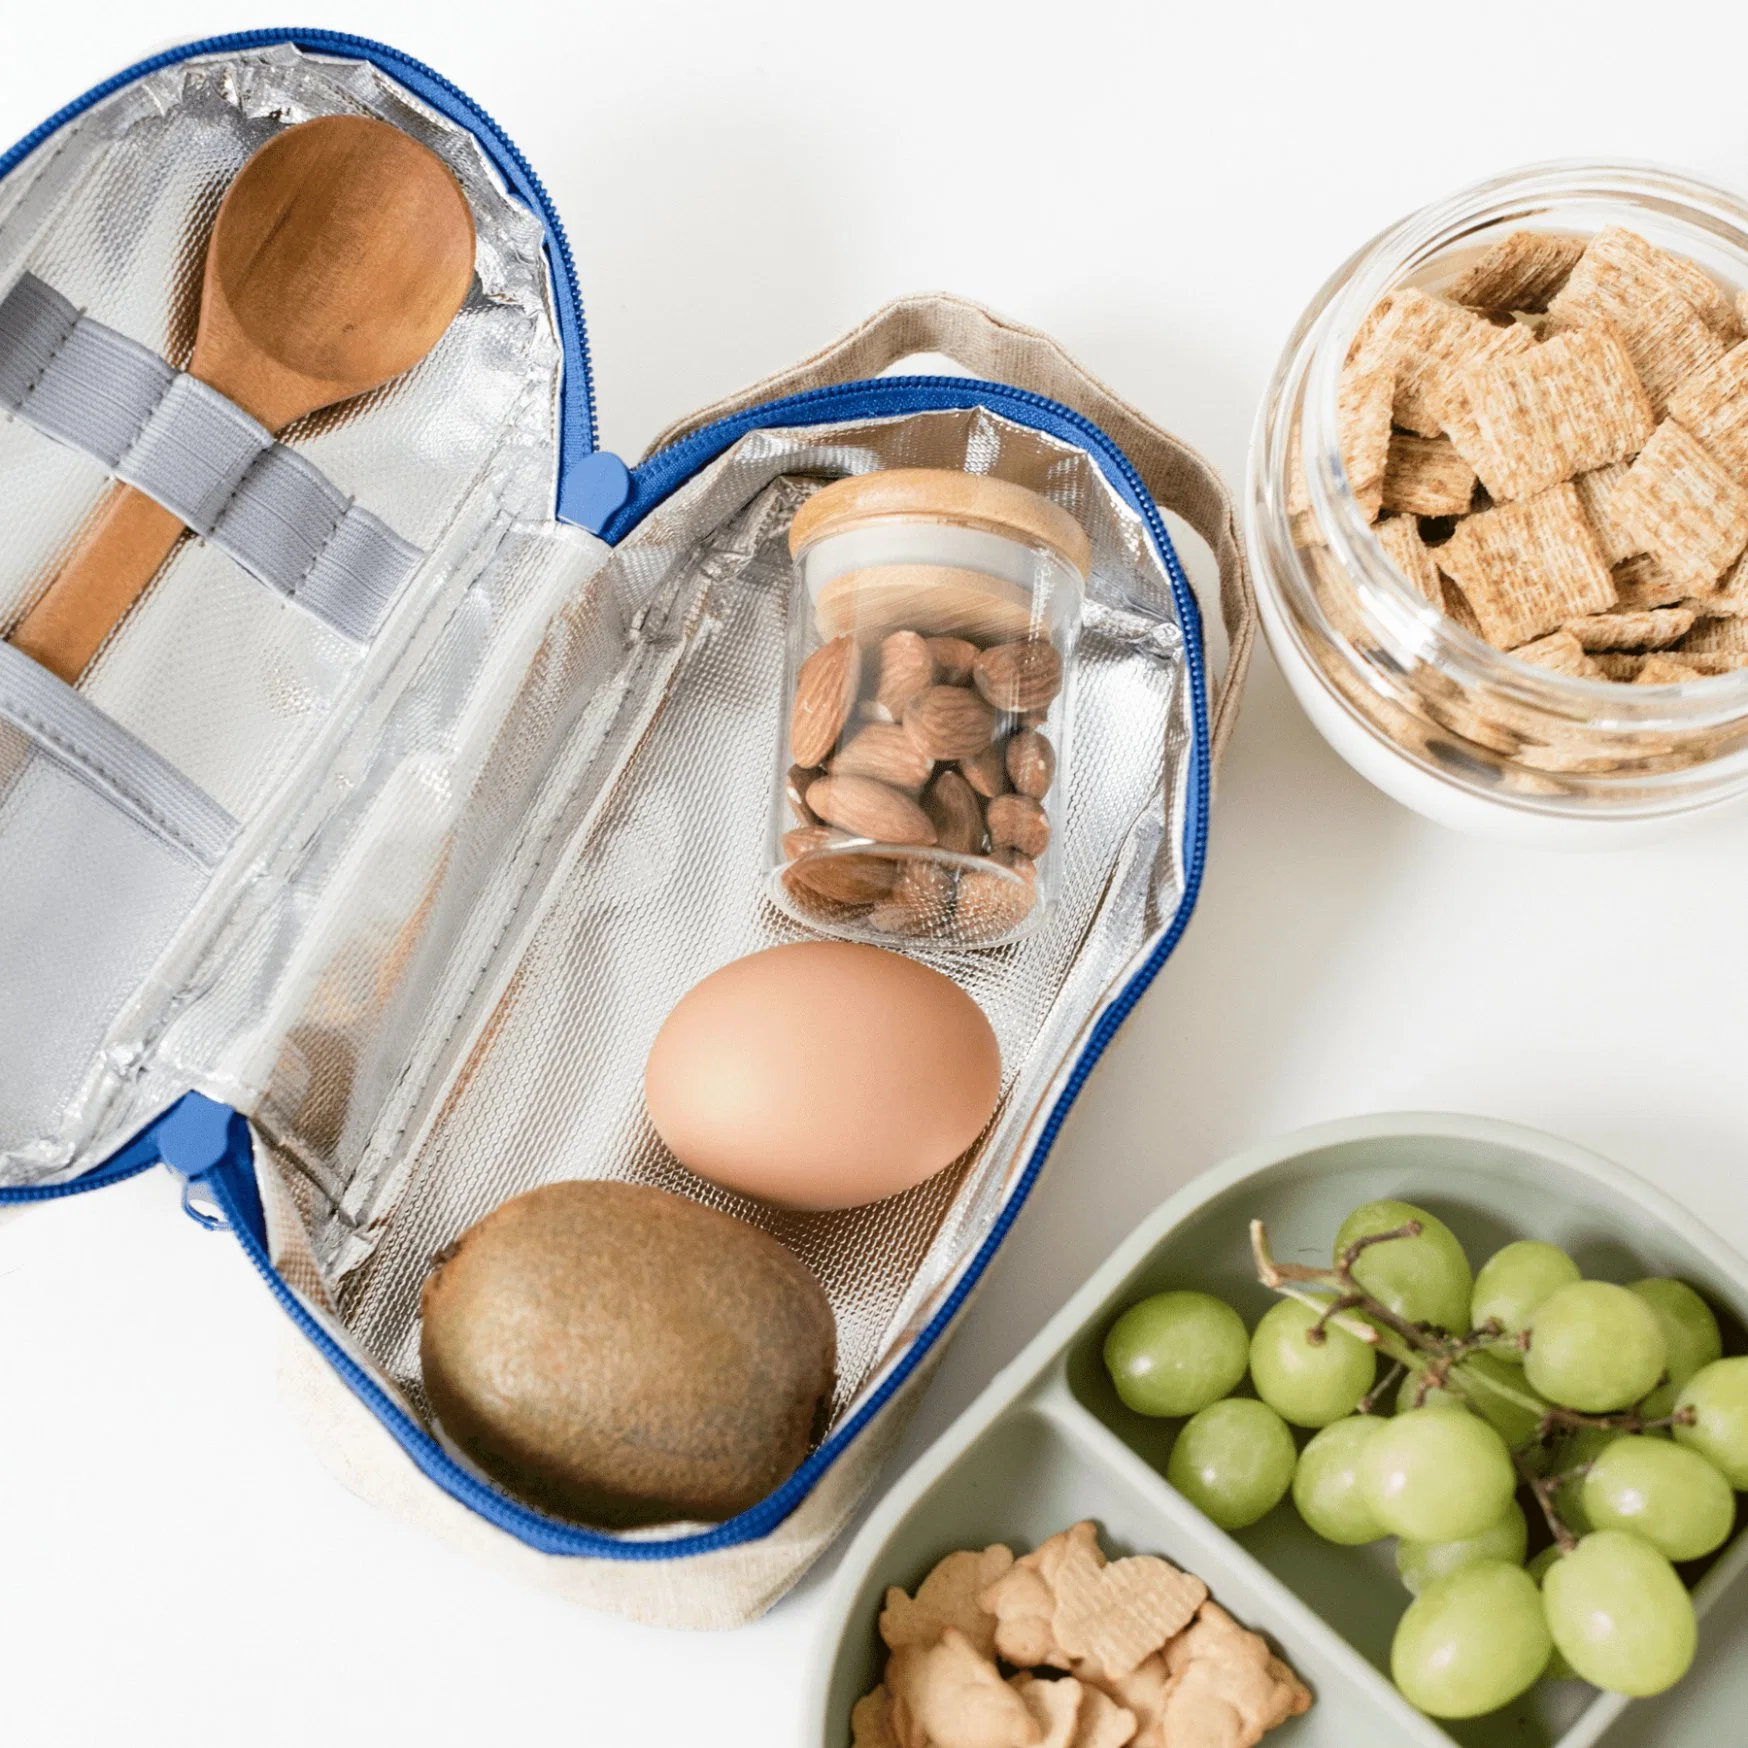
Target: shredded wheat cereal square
(1730,599)
(1567,406)
(1596,491)
(1713,405)
(1528,567)
(1561,652)
(1726,637)
(1447,399)
(1683,507)
(1298,488)
(1520,272)
(1362,413)
(1657,628)
(1716,306)
(1427,477)
(1383,311)
(1621,279)
(1710,661)
(1645,581)
(1664,670)
(1427,337)
(1618,664)
(1400,538)
(1458,610)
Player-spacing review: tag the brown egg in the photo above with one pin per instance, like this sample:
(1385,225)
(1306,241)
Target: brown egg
(822,1075)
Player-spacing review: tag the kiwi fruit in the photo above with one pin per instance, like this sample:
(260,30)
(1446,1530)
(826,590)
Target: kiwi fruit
(617,1355)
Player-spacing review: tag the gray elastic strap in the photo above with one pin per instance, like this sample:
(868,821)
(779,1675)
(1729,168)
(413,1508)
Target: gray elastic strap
(201,456)
(97,749)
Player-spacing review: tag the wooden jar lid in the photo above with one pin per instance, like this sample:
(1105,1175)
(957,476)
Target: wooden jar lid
(941,495)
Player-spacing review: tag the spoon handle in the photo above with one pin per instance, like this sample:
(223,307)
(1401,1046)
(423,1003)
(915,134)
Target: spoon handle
(121,548)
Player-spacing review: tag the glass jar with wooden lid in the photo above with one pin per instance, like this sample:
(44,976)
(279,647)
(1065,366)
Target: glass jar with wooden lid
(933,620)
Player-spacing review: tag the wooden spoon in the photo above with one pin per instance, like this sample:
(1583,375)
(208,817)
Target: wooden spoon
(340,255)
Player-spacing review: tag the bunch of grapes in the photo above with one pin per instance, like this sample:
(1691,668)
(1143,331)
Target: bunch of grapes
(1607,1414)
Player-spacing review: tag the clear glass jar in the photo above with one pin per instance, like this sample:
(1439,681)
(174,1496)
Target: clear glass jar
(1434,716)
(932,628)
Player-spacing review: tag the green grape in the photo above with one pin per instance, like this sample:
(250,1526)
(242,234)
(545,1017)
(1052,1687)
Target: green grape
(1664,1492)
(1174,1353)
(1233,1461)
(1471,1642)
(1326,1484)
(1558,1668)
(1595,1347)
(1577,1449)
(1434,1476)
(1419,1564)
(1306,1383)
(1718,1396)
(1512,1283)
(1424,1279)
(1690,1332)
(1475,1378)
(1620,1615)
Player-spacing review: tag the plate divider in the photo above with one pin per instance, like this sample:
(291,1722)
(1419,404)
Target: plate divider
(1053,1399)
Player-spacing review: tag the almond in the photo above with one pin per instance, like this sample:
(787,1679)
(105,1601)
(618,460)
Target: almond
(1015,821)
(825,694)
(870,810)
(1019,676)
(845,879)
(920,902)
(951,804)
(954,659)
(987,773)
(949,722)
(884,752)
(1031,763)
(991,902)
(795,790)
(906,668)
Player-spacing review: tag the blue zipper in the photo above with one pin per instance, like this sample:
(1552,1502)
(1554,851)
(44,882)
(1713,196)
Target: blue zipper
(220,1159)
(577,426)
(231,1183)
(228,1177)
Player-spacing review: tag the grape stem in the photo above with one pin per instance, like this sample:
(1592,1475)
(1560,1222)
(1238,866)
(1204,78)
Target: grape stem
(1542,1490)
(1379,1391)
(1436,1358)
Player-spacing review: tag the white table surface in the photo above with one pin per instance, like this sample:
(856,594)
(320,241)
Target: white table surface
(1161,188)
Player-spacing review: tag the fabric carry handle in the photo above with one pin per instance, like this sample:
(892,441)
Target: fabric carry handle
(1003,351)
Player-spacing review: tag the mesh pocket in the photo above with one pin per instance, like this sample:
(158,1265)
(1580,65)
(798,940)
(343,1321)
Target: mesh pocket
(89,898)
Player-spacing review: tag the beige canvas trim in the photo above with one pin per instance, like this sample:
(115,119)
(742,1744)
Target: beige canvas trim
(1000,350)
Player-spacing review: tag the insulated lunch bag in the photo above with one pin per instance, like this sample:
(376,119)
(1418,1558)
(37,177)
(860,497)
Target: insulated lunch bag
(353,876)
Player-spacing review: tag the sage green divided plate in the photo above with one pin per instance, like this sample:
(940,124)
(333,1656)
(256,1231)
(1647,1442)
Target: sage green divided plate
(1048,1443)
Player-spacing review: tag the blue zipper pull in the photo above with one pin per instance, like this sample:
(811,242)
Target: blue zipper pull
(209,1147)
(593,489)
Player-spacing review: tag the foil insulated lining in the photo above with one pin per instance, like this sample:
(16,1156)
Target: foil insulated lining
(244,692)
(212,669)
(621,885)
